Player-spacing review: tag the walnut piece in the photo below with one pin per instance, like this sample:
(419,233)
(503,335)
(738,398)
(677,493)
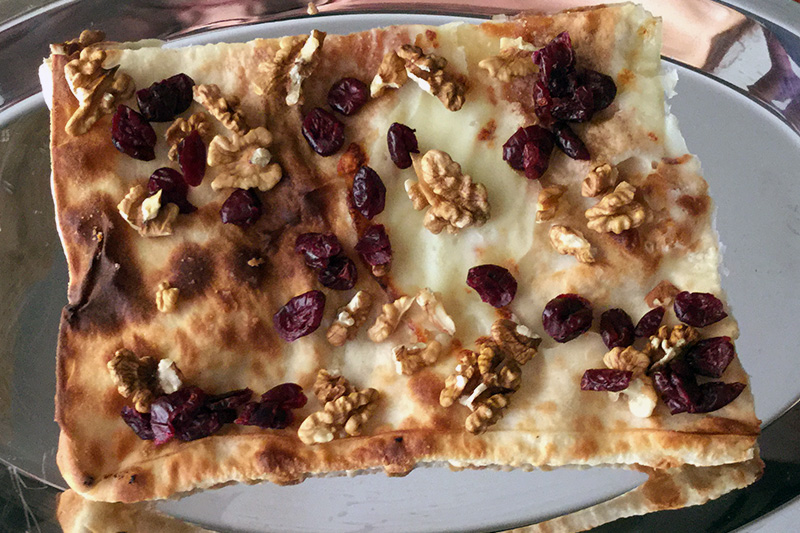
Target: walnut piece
(169,377)
(427,70)
(464,375)
(516,340)
(628,358)
(391,74)
(312,9)
(662,294)
(431,304)
(568,241)
(641,392)
(410,358)
(509,63)
(454,201)
(668,343)
(304,65)
(181,128)
(389,318)
(141,216)
(642,396)
(75,46)
(329,387)
(244,161)
(349,319)
(270,72)
(599,180)
(135,378)
(97,90)
(342,416)
(487,413)
(226,110)
(166,297)
(547,205)
(617,211)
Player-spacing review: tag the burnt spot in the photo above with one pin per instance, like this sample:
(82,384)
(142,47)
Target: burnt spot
(87,480)
(694,205)
(193,270)
(282,465)
(247,266)
(662,491)
(132,480)
(425,387)
(628,239)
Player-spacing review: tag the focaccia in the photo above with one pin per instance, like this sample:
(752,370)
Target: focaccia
(450,364)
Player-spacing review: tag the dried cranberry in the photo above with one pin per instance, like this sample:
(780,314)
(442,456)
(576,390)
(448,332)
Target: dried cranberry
(348,95)
(267,415)
(567,316)
(678,387)
(139,422)
(606,379)
(242,208)
(569,142)
(192,158)
(374,246)
(180,406)
(402,143)
(648,325)
(578,107)
(132,134)
(494,284)
(514,148)
(287,395)
(698,309)
(716,395)
(543,102)
(554,56)
(230,400)
(317,248)
(323,131)
(603,88)
(535,160)
(173,188)
(339,274)
(616,328)
(710,357)
(369,193)
(164,99)
(197,425)
(563,83)
(300,316)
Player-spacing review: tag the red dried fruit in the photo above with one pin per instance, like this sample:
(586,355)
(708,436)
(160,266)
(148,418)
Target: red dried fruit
(323,131)
(716,395)
(569,142)
(229,400)
(535,160)
(374,246)
(164,99)
(677,387)
(578,107)
(132,134)
(348,95)
(138,422)
(603,88)
(543,102)
(648,325)
(171,413)
(242,208)
(192,158)
(402,143)
(616,328)
(267,415)
(494,284)
(514,148)
(300,316)
(173,188)
(287,395)
(567,316)
(317,248)
(554,56)
(698,309)
(710,357)
(606,379)
(339,274)
(198,425)
(369,193)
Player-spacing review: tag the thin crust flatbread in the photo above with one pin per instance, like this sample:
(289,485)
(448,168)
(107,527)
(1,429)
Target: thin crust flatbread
(231,281)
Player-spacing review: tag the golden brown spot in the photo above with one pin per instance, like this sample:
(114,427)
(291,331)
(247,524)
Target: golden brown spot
(284,466)
(547,407)
(661,490)
(625,77)
(487,132)
(584,448)
(694,205)
(351,160)
(425,387)
(653,137)
(432,37)
(490,95)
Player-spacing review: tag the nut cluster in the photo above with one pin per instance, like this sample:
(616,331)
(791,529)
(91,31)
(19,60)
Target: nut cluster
(484,381)
(181,128)
(97,90)
(669,342)
(244,161)
(454,202)
(146,214)
(617,211)
(74,47)
(568,241)
(226,110)
(136,378)
(427,70)
(349,319)
(510,63)
(343,413)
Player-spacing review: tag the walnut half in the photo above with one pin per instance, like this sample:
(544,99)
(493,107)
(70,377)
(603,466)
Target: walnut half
(391,75)
(343,416)
(389,318)
(510,63)
(226,110)
(599,180)
(146,214)
(349,319)
(547,205)
(135,378)
(244,161)
(454,202)
(568,241)
(304,65)
(617,211)
(427,71)
(409,359)
(166,297)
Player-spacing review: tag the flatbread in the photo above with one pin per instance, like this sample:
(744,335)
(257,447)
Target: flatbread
(231,281)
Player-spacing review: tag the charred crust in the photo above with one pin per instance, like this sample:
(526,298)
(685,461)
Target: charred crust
(193,270)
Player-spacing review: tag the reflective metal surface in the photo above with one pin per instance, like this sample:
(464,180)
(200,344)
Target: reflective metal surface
(751,57)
